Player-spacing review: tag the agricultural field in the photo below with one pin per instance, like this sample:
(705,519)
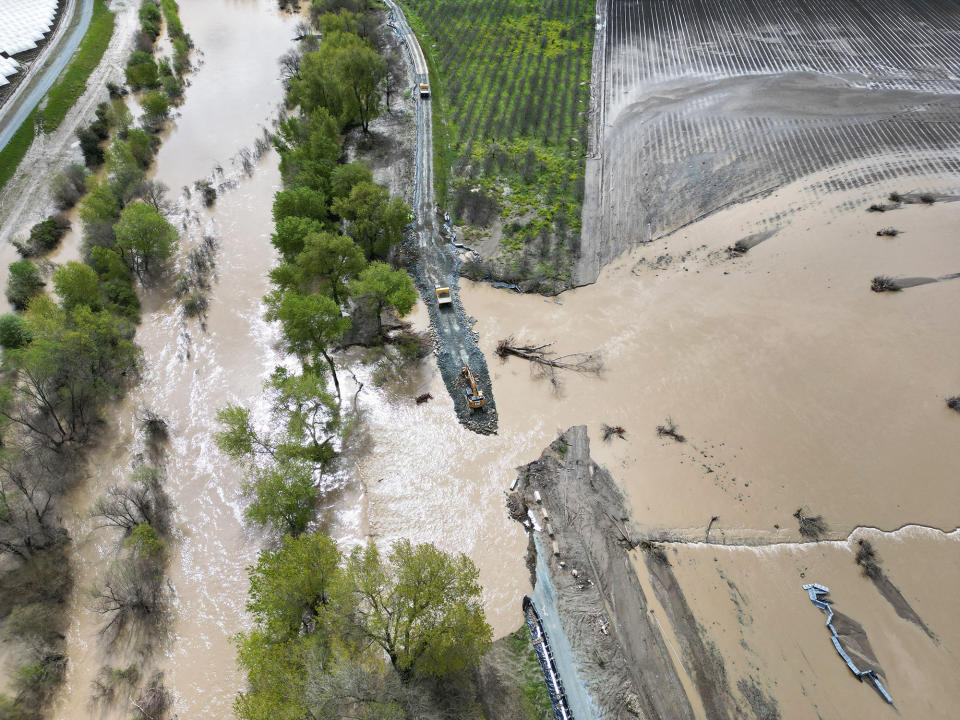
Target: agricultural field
(511,93)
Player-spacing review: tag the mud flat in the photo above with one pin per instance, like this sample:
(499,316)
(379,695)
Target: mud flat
(698,105)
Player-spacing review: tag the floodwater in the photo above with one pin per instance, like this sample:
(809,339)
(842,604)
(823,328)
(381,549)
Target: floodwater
(752,608)
(234,92)
(190,372)
(793,383)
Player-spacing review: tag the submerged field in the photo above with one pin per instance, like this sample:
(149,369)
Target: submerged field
(510,100)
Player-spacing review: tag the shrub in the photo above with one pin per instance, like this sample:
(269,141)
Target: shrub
(23,283)
(811,526)
(884,283)
(196,304)
(954,403)
(68,186)
(209,192)
(90,141)
(13,332)
(45,236)
(888,232)
(142,70)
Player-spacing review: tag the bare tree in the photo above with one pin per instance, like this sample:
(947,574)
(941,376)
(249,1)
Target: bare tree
(289,66)
(142,501)
(30,483)
(153,701)
(133,592)
(154,192)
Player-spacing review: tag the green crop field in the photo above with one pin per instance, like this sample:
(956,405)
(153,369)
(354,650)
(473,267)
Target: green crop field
(511,91)
(73,81)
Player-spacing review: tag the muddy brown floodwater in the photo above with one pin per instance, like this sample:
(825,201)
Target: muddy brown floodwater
(190,372)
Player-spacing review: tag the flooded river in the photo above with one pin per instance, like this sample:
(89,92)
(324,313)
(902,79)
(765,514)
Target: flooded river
(190,373)
(775,366)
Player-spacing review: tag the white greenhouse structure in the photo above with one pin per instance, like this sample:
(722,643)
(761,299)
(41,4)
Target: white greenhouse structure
(23,24)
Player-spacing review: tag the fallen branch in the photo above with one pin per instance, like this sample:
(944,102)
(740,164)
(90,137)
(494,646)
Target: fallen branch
(547,361)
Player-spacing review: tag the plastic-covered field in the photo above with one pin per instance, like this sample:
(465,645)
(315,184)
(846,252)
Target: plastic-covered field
(23,24)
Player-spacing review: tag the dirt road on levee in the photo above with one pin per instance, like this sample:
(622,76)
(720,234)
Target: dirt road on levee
(437,265)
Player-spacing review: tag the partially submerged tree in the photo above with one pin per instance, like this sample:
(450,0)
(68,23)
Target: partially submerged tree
(140,502)
(144,238)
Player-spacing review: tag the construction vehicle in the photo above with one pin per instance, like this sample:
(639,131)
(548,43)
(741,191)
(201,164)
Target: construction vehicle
(424,90)
(474,396)
(444,297)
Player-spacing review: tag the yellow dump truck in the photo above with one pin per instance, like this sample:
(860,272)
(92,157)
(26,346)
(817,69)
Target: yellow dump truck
(443,296)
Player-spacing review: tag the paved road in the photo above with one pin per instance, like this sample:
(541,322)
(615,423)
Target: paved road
(437,265)
(46,69)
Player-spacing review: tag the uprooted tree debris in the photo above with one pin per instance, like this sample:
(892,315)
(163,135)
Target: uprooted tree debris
(811,526)
(669,429)
(546,362)
(421,399)
(610,430)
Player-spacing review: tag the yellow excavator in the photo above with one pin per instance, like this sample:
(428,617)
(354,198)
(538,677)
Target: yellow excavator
(474,396)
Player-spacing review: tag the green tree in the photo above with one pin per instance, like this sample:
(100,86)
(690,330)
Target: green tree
(142,71)
(289,586)
(360,68)
(77,284)
(374,220)
(291,233)
(156,106)
(310,149)
(123,169)
(276,676)
(142,146)
(144,237)
(76,361)
(312,324)
(299,202)
(421,606)
(328,263)
(302,407)
(283,496)
(23,283)
(383,287)
(345,177)
(100,203)
(14,333)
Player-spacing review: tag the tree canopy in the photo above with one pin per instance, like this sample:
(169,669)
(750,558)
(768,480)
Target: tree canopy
(374,220)
(144,237)
(383,287)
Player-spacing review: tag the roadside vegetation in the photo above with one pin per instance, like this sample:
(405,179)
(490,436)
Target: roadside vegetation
(510,108)
(68,353)
(73,83)
(16,148)
(64,93)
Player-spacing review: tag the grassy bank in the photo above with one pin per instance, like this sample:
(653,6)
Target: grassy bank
(73,81)
(511,122)
(13,153)
(66,91)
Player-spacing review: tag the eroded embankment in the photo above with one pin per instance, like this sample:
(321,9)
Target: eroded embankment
(620,654)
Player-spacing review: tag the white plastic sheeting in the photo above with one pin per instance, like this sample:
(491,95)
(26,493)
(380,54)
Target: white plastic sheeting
(23,24)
